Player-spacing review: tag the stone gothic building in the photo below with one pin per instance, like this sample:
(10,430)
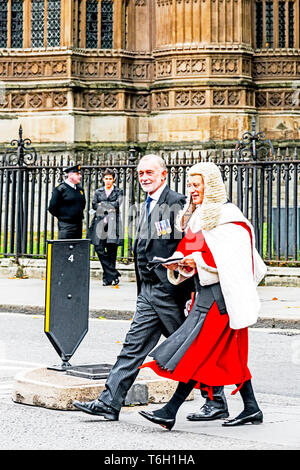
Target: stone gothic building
(159,73)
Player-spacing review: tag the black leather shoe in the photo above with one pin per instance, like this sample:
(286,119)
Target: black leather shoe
(98,408)
(254,418)
(166,423)
(107,283)
(208,413)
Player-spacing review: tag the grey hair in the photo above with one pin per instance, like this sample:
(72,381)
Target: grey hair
(159,160)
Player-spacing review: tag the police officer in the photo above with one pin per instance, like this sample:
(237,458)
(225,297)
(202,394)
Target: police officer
(67,204)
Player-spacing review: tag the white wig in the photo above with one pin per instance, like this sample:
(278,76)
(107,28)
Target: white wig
(207,215)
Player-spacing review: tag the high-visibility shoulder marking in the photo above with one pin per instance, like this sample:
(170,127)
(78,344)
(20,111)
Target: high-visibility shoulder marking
(47,310)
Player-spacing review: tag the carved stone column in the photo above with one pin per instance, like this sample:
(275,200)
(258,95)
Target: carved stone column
(203,87)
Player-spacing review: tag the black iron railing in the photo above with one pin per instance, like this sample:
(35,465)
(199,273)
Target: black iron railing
(266,188)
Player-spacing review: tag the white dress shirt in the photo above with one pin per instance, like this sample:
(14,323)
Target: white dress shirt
(155,196)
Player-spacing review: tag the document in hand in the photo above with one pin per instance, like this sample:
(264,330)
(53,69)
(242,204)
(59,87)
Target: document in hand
(157,260)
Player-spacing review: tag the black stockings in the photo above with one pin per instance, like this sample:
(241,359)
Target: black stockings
(181,393)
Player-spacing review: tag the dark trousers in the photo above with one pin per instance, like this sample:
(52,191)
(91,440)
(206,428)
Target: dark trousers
(156,313)
(107,254)
(69,231)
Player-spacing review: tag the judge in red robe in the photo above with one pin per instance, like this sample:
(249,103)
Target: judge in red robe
(211,347)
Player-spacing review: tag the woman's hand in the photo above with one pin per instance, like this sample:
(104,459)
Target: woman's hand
(172,266)
(188,262)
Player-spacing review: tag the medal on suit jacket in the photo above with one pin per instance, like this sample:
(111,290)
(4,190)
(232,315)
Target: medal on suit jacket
(163,227)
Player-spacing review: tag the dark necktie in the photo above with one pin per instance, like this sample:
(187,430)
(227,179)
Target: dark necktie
(148,202)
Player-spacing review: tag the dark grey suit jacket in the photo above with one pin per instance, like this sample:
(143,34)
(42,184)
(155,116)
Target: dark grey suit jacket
(164,245)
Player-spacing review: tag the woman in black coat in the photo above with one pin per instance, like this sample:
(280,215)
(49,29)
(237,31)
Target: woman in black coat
(105,231)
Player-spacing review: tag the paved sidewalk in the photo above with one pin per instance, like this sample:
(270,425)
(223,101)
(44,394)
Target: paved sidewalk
(280,429)
(280,305)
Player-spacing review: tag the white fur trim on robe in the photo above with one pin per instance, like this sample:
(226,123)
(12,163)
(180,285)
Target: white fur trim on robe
(230,245)
(207,274)
(231,248)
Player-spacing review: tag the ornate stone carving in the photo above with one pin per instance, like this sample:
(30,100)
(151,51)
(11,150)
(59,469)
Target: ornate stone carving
(198,66)
(162,3)
(4,101)
(109,100)
(261,99)
(246,66)
(135,70)
(3,69)
(190,66)
(249,98)
(163,68)
(276,68)
(275,99)
(35,100)
(110,69)
(191,98)
(18,100)
(219,65)
(233,98)
(142,102)
(284,99)
(60,99)
(34,69)
(219,98)
(161,100)
(226,97)
(198,98)
(182,98)
(100,100)
(59,68)
(40,68)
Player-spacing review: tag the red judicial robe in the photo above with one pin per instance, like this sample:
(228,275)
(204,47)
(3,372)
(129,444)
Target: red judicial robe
(219,354)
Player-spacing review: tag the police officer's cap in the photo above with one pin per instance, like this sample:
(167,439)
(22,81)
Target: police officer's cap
(73,169)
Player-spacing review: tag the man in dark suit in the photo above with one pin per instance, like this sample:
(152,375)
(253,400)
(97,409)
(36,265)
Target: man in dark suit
(159,307)
(67,204)
(105,231)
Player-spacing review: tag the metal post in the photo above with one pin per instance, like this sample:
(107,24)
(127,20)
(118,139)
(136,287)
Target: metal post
(255,149)
(20,214)
(20,155)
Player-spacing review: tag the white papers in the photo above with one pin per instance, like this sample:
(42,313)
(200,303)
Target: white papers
(158,260)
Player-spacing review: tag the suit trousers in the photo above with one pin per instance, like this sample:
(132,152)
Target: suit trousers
(156,313)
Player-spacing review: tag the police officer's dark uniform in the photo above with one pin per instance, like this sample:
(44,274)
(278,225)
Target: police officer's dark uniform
(67,204)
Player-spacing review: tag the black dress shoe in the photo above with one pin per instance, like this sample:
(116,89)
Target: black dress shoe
(166,423)
(254,418)
(98,408)
(107,283)
(208,413)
